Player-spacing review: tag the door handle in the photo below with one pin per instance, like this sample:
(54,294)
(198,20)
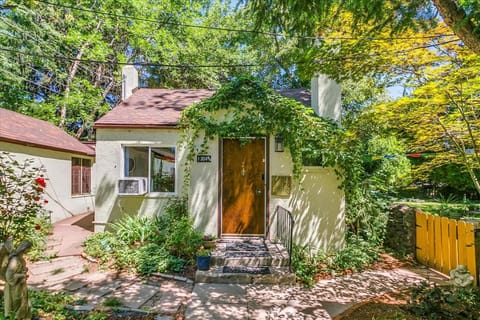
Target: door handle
(259,191)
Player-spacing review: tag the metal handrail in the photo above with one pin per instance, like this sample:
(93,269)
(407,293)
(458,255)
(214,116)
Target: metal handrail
(284,230)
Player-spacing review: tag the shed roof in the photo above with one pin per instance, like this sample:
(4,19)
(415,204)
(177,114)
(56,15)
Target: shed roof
(24,130)
(162,108)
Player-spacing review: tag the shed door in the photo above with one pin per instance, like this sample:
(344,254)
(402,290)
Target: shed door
(243,187)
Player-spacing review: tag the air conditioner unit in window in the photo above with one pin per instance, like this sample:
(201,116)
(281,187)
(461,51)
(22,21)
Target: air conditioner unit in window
(132,186)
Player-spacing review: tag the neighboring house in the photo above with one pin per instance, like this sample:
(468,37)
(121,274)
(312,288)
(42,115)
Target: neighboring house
(234,189)
(68,163)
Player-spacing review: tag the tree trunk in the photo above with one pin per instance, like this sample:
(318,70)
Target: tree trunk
(71,73)
(456,18)
(107,89)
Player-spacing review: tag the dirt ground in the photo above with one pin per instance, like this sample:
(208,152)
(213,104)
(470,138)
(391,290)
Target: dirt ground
(389,306)
(386,307)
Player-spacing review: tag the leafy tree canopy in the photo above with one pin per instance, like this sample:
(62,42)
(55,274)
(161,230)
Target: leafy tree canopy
(441,117)
(61,61)
(315,18)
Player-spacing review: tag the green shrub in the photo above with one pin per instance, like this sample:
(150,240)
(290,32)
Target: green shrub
(183,240)
(434,302)
(305,264)
(43,228)
(102,246)
(155,258)
(47,305)
(357,255)
(134,229)
(23,216)
(175,208)
(160,244)
(112,302)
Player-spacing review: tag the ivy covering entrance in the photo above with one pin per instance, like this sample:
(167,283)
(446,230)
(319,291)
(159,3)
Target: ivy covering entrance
(245,108)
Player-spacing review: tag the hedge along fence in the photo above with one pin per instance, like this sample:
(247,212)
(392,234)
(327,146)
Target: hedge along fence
(443,243)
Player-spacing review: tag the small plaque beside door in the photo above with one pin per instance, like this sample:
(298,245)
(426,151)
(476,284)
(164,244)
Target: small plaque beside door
(204,158)
(281,186)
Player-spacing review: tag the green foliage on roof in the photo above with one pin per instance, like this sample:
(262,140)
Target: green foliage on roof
(246,107)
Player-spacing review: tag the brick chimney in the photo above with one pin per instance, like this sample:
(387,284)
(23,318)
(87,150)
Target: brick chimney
(326,97)
(129,81)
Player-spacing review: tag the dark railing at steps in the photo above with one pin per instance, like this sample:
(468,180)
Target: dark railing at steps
(284,230)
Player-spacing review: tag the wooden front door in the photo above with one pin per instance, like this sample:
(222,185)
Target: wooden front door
(243,187)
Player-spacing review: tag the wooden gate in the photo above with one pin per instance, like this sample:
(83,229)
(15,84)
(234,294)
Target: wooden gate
(443,243)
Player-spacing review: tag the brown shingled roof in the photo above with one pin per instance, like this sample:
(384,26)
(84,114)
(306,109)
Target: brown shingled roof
(152,108)
(157,108)
(301,95)
(20,129)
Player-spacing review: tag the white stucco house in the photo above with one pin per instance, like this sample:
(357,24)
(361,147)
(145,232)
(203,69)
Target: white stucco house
(233,189)
(68,163)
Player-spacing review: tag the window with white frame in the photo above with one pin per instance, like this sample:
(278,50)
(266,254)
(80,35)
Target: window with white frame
(155,163)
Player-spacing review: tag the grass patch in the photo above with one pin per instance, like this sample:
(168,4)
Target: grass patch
(454,210)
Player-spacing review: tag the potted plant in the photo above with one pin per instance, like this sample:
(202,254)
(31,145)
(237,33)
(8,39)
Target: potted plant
(203,258)
(209,241)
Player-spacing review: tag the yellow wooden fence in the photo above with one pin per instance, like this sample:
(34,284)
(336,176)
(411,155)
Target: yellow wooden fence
(444,243)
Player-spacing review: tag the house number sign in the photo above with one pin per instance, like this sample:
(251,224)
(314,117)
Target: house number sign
(204,158)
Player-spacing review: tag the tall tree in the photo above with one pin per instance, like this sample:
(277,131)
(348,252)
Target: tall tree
(441,118)
(315,17)
(61,60)
(464,18)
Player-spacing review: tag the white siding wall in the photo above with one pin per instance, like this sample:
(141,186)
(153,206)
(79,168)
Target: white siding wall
(110,167)
(204,191)
(316,203)
(58,178)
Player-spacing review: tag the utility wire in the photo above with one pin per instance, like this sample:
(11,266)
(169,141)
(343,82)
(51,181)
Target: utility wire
(39,41)
(157,21)
(180,66)
(273,34)
(149,64)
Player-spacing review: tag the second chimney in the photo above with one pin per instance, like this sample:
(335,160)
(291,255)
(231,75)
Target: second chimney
(326,97)
(129,81)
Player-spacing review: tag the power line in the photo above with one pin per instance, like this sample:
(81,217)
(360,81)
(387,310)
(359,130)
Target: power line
(32,37)
(157,21)
(181,66)
(273,34)
(148,64)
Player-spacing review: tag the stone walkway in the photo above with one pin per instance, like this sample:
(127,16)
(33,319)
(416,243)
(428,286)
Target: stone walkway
(327,299)
(70,273)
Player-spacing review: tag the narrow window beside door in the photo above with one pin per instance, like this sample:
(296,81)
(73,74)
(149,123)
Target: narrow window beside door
(81,176)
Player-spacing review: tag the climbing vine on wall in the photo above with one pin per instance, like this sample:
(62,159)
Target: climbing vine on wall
(246,108)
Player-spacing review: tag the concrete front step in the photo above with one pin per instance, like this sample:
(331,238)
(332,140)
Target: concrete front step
(277,275)
(249,261)
(249,253)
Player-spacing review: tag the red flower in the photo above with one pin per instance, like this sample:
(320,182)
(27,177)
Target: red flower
(41,181)
(37,198)
(45,201)
(38,227)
